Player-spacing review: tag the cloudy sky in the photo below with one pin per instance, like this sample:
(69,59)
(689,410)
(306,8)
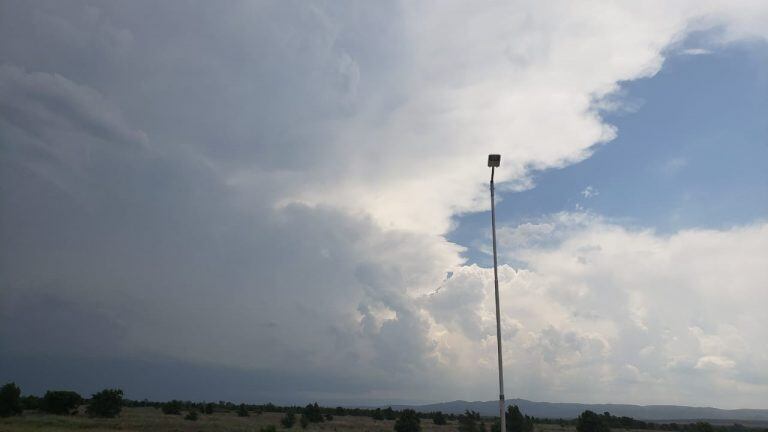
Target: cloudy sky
(287,201)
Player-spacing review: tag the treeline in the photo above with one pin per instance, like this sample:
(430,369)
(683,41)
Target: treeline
(109,402)
(106,403)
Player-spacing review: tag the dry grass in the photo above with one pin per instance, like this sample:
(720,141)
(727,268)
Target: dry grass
(151,419)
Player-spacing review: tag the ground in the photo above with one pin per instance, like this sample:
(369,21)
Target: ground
(152,419)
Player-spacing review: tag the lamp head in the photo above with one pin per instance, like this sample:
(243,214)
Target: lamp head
(494,160)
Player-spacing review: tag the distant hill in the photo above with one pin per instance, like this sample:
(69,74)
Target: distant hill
(572,410)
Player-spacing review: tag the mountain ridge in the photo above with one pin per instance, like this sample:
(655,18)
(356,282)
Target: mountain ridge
(566,410)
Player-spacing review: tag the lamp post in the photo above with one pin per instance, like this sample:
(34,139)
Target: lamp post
(494,161)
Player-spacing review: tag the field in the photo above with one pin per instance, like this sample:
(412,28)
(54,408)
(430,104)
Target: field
(151,419)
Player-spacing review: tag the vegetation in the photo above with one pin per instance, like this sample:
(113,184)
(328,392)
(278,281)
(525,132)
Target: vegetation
(516,422)
(313,413)
(590,421)
(288,420)
(470,422)
(107,403)
(408,421)
(191,416)
(242,410)
(438,418)
(60,402)
(172,408)
(10,400)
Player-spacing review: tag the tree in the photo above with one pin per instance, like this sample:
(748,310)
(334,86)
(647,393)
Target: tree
(288,420)
(268,428)
(377,414)
(469,421)
(60,402)
(10,400)
(242,411)
(340,411)
(106,403)
(30,402)
(589,421)
(703,427)
(516,422)
(389,413)
(439,418)
(191,415)
(408,421)
(329,417)
(209,407)
(172,408)
(313,413)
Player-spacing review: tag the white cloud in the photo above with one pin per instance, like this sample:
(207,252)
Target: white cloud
(606,297)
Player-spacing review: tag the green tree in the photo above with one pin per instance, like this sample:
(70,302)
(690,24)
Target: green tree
(469,421)
(209,407)
(313,413)
(242,411)
(703,427)
(171,408)
(10,400)
(60,402)
(288,420)
(106,403)
(516,422)
(408,421)
(439,418)
(589,421)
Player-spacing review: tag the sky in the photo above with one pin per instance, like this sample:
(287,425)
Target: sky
(288,201)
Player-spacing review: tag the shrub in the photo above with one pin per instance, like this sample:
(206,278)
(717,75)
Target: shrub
(30,402)
(209,407)
(288,420)
(268,428)
(10,400)
(469,422)
(304,421)
(377,414)
(242,411)
(589,421)
(439,418)
(172,408)
(60,402)
(516,422)
(408,422)
(106,403)
(328,417)
(313,413)
(191,416)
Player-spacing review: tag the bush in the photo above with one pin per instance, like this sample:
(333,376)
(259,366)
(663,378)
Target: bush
(208,408)
(10,400)
(268,428)
(172,408)
(408,422)
(30,402)
(60,402)
(589,421)
(288,420)
(516,422)
(106,403)
(242,411)
(304,421)
(328,417)
(191,416)
(470,421)
(312,413)
(439,418)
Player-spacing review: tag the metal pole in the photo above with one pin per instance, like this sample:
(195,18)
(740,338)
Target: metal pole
(498,315)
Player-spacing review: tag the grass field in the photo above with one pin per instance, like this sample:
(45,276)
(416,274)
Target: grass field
(151,419)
